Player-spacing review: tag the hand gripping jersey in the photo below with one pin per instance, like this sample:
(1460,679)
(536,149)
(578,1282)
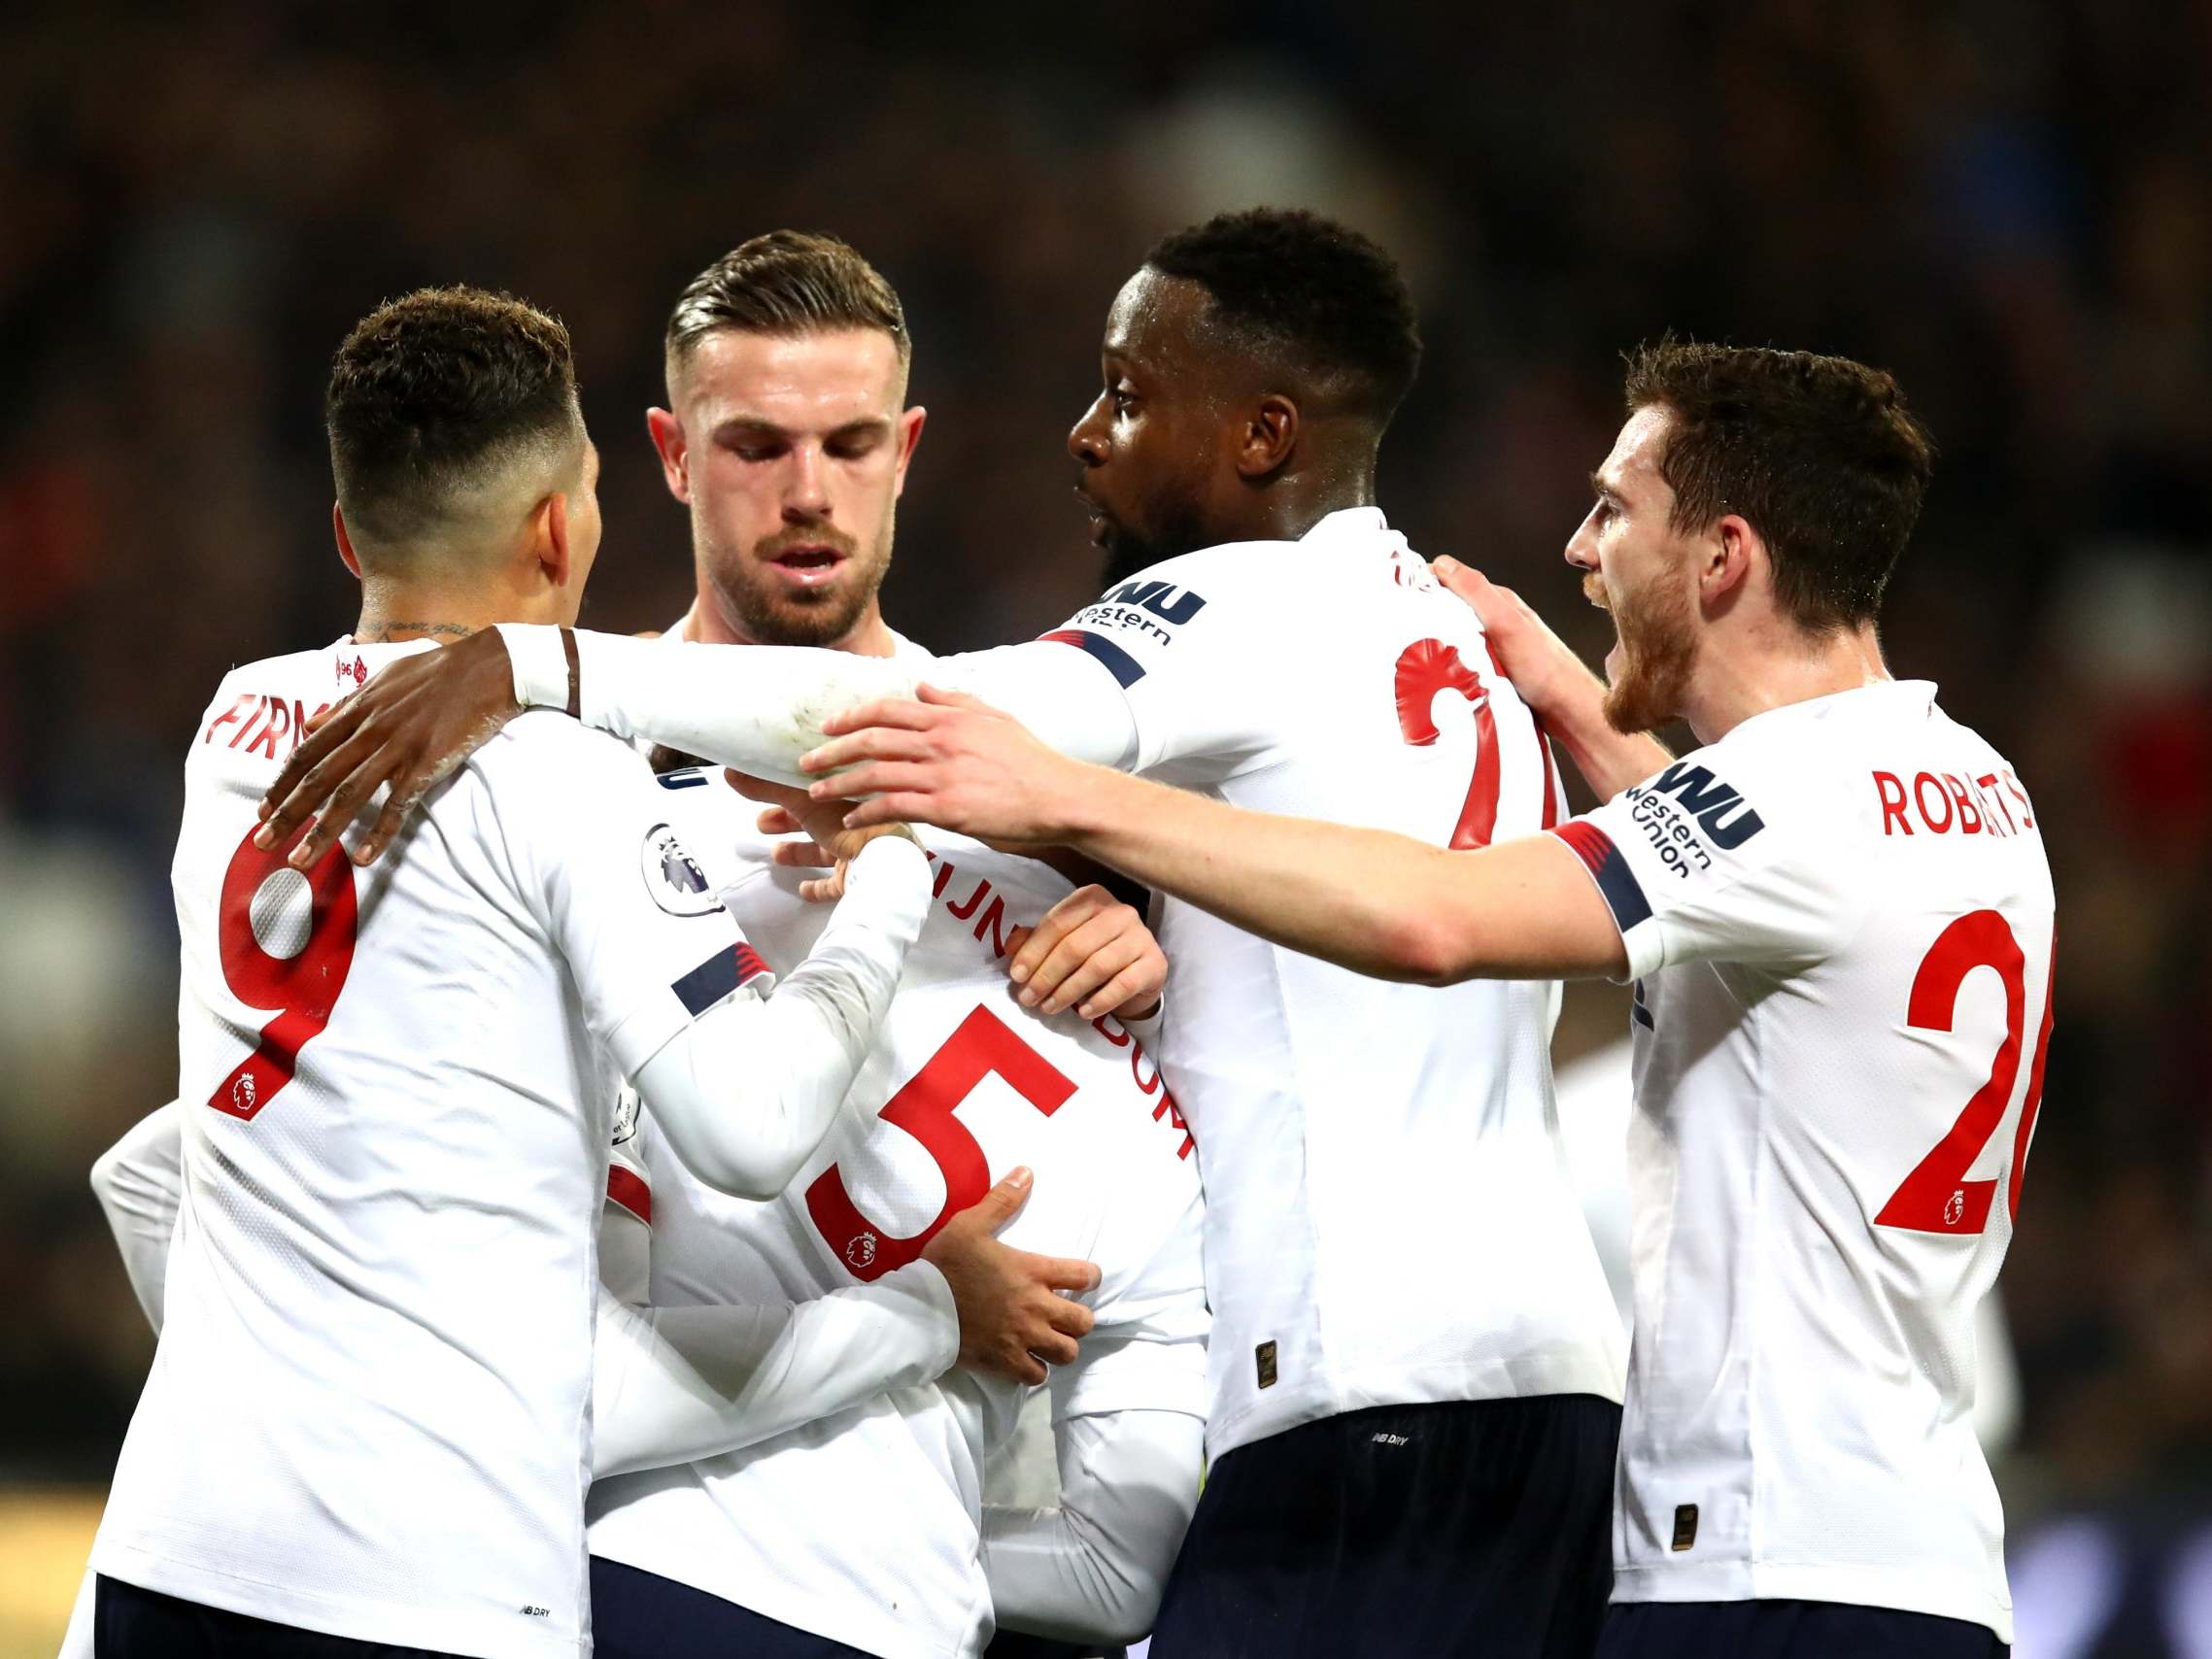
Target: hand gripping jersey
(1388,1219)
(1839,919)
(863,1527)
(368,1414)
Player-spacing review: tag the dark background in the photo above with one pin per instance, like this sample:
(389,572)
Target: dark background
(2008,205)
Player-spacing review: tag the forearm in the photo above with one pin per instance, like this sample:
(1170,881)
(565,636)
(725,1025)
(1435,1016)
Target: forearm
(139,1182)
(1092,1569)
(1607,759)
(672,1384)
(1376,903)
(747,1092)
(760,707)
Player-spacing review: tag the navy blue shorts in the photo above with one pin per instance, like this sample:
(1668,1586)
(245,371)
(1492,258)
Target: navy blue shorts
(1789,1630)
(637,1614)
(131,1623)
(1014,1645)
(1478,1527)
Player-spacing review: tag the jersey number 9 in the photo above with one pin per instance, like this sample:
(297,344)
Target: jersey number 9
(300,988)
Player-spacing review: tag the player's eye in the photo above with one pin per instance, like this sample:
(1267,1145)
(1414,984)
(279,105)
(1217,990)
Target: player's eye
(1122,398)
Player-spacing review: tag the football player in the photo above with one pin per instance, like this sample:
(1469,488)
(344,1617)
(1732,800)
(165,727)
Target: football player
(1838,917)
(367,1424)
(1415,1363)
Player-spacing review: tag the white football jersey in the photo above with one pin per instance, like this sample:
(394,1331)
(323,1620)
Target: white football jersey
(368,1414)
(1387,1215)
(1839,919)
(863,1526)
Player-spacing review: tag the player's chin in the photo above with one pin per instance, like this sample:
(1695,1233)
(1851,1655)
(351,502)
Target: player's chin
(817,616)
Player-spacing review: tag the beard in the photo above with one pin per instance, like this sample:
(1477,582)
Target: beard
(760,607)
(1174,530)
(1659,648)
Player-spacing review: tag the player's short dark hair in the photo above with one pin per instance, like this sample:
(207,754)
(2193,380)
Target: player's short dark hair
(434,391)
(787,282)
(1819,454)
(1322,297)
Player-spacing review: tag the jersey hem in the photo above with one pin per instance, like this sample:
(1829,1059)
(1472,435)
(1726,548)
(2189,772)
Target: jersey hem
(457,1631)
(1859,1586)
(1357,1391)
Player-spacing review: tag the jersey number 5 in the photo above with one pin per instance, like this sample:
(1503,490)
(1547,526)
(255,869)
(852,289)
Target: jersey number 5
(923,1108)
(1936,1197)
(300,988)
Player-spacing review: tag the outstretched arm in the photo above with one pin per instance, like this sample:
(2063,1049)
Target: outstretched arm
(1367,899)
(755,707)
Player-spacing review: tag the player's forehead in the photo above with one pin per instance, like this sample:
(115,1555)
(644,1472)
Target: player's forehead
(1154,320)
(1631,470)
(800,383)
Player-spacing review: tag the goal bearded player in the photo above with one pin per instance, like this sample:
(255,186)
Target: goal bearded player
(1407,1305)
(1839,919)
(366,1425)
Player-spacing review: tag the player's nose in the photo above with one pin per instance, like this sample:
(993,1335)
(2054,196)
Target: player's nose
(1086,439)
(806,489)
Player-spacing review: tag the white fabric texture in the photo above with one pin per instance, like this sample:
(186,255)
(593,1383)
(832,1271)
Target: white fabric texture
(959,1064)
(1843,989)
(396,1108)
(1363,1144)
(746,1092)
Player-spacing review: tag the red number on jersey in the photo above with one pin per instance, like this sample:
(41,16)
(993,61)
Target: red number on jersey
(923,1108)
(1936,1197)
(1428,666)
(301,989)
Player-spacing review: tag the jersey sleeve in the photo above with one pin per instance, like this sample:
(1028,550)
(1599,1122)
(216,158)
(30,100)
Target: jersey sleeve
(632,913)
(626,1220)
(761,707)
(1718,858)
(1148,1350)
(1197,657)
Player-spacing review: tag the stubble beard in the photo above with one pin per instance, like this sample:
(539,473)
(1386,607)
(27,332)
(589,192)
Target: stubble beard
(758,608)
(1175,528)
(1659,649)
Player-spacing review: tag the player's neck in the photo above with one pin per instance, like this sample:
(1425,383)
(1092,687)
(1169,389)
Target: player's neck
(1300,497)
(704,624)
(394,613)
(1776,666)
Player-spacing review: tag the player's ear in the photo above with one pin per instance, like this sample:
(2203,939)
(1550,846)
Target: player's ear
(549,538)
(1729,558)
(910,426)
(668,435)
(345,541)
(1268,437)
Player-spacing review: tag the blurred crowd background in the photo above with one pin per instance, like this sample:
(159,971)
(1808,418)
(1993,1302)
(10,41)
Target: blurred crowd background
(2009,205)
